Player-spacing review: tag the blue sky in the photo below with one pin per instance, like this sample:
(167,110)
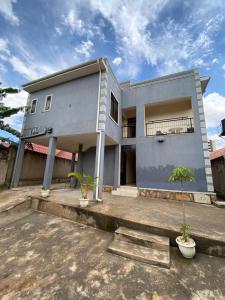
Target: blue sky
(141,39)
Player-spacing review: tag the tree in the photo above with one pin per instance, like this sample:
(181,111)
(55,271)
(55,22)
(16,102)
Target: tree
(182,175)
(6,111)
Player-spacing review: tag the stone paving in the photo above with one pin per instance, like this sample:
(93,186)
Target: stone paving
(45,257)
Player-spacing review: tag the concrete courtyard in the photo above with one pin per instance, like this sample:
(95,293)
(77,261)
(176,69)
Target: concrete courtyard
(47,257)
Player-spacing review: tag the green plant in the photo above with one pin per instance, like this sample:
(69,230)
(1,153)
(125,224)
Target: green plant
(184,230)
(87,183)
(44,189)
(182,175)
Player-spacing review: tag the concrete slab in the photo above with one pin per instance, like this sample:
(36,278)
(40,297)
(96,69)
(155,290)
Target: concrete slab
(45,257)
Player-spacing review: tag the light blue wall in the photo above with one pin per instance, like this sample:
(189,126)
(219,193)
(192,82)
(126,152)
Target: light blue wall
(73,110)
(109,164)
(155,161)
(113,130)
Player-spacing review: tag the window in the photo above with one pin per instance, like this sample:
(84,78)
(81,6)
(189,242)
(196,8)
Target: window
(33,106)
(48,103)
(114,108)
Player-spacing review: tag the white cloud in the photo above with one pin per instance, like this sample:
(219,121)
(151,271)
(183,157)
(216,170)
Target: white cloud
(223,67)
(169,46)
(117,61)
(6,9)
(16,100)
(85,48)
(214,107)
(215,61)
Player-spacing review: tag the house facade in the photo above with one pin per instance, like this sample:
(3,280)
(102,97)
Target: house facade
(124,133)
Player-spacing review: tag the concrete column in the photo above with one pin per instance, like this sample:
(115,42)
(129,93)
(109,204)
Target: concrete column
(18,164)
(72,169)
(117,166)
(99,164)
(79,167)
(49,163)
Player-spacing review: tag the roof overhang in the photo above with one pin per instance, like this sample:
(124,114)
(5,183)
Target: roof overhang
(204,82)
(66,75)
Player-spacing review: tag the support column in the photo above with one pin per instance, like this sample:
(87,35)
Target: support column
(18,164)
(99,164)
(117,166)
(49,163)
(80,159)
(72,169)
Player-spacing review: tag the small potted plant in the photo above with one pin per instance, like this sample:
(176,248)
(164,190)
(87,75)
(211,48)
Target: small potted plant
(185,243)
(86,183)
(45,192)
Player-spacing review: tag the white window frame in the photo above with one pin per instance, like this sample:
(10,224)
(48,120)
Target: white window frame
(35,106)
(51,95)
(117,123)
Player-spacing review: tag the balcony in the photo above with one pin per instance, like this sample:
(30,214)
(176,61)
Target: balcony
(129,131)
(129,122)
(169,126)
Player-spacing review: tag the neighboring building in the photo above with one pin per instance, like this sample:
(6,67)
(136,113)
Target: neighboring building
(125,134)
(211,145)
(33,162)
(218,171)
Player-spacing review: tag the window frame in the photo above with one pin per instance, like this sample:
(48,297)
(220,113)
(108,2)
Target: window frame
(46,98)
(112,94)
(36,99)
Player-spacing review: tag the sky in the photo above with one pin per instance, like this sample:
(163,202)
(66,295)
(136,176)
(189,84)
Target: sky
(141,39)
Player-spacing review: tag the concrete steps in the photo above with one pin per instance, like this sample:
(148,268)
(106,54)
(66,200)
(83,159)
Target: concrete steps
(142,246)
(127,191)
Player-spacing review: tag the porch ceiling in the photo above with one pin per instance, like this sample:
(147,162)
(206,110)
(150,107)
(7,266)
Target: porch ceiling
(70,143)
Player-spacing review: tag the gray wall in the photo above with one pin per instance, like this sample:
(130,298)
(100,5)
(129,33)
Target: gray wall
(109,164)
(155,161)
(113,130)
(73,110)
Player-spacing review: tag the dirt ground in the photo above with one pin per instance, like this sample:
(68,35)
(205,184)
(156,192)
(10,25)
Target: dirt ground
(46,257)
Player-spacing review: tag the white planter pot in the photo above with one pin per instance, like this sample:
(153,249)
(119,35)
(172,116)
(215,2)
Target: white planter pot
(186,248)
(84,202)
(45,193)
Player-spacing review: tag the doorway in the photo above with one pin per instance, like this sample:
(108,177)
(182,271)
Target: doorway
(128,166)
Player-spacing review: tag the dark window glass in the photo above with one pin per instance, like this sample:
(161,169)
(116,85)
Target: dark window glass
(114,108)
(48,103)
(33,106)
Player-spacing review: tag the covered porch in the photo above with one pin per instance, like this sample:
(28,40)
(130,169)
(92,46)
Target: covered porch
(92,154)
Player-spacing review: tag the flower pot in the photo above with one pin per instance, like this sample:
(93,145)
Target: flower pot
(84,202)
(45,193)
(186,248)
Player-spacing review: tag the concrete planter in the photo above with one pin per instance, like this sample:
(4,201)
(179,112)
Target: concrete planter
(45,193)
(186,248)
(84,202)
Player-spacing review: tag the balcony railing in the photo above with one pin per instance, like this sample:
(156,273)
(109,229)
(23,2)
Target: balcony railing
(169,126)
(129,131)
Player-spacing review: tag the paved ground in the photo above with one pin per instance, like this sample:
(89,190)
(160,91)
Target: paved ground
(155,212)
(45,257)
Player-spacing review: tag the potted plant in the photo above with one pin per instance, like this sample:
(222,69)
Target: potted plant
(185,243)
(45,192)
(86,183)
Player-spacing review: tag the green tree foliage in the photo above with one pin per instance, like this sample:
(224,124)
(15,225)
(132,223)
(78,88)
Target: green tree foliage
(6,111)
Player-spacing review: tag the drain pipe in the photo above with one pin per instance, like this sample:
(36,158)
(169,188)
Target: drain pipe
(100,137)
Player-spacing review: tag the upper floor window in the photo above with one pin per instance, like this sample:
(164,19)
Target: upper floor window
(33,106)
(114,108)
(48,103)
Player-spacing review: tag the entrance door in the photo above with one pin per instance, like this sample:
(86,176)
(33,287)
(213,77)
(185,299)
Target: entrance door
(128,167)
(131,127)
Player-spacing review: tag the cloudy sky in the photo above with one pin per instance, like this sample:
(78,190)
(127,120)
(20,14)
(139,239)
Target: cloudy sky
(142,39)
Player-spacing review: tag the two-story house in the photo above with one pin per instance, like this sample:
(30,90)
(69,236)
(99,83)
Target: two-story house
(124,133)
